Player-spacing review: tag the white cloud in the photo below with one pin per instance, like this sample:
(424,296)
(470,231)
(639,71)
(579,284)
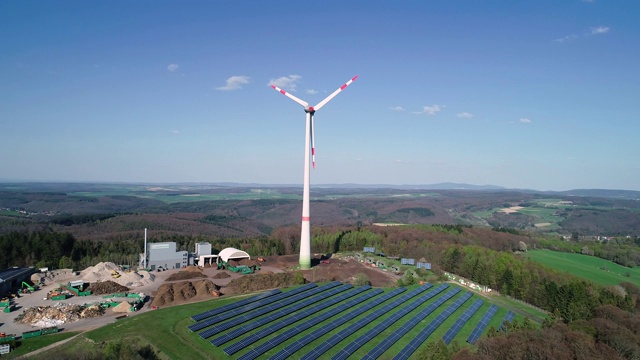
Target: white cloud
(234,83)
(174,131)
(173,67)
(288,83)
(524,121)
(599,30)
(311,91)
(566,38)
(430,110)
(397,108)
(465,115)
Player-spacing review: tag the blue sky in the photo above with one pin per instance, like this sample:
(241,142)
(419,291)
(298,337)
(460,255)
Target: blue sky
(525,94)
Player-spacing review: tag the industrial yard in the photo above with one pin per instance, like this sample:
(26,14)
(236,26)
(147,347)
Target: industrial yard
(104,293)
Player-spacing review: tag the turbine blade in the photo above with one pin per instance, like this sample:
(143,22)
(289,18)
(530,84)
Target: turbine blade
(328,98)
(301,102)
(313,146)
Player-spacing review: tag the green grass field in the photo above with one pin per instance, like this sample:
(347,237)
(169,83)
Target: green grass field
(12,213)
(29,345)
(166,329)
(598,270)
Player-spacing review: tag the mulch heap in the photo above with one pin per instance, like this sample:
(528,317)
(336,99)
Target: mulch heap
(250,283)
(221,275)
(190,272)
(176,293)
(107,287)
(58,314)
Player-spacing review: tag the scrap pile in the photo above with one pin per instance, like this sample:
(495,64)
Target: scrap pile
(58,314)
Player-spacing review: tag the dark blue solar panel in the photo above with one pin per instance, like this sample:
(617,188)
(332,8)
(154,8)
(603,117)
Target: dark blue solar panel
(234,305)
(509,317)
(385,344)
(277,340)
(398,305)
(304,306)
(482,324)
(304,314)
(433,325)
(457,326)
(233,312)
(218,328)
(335,323)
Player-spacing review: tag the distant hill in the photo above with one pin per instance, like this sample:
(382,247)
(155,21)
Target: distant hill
(237,210)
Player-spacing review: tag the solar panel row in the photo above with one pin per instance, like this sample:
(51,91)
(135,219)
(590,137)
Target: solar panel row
(306,312)
(337,338)
(415,343)
(457,326)
(233,312)
(218,328)
(482,324)
(303,305)
(385,344)
(234,305)
(317,333)
(509,317)
(390,320)
(288,334)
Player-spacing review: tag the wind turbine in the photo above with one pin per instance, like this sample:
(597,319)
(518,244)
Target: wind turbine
(305,235)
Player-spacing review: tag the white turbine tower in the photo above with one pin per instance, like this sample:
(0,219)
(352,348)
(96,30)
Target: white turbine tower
(305,235)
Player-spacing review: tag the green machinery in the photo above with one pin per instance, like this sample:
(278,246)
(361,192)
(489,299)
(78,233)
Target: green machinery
(5,338)
(242,269)
(27,286)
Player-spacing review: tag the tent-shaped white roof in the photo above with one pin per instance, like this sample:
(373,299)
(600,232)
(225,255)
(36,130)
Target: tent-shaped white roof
(232,253)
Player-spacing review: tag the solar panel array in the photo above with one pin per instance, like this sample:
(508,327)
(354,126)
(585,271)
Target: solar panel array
(335,339)
(282,310)
(433,325)
(254,305)
(288,334)
(509,318)
(317,333)
(482,324)
(304,306)
(457,326)
(234,305)
(218,328)
(386,323)
(385,344)
(369,249)
(405,261)
(424,265)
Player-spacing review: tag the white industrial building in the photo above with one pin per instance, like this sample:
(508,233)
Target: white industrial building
(164,255)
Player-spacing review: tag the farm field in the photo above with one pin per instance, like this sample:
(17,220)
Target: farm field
(172,338)
(591,268)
